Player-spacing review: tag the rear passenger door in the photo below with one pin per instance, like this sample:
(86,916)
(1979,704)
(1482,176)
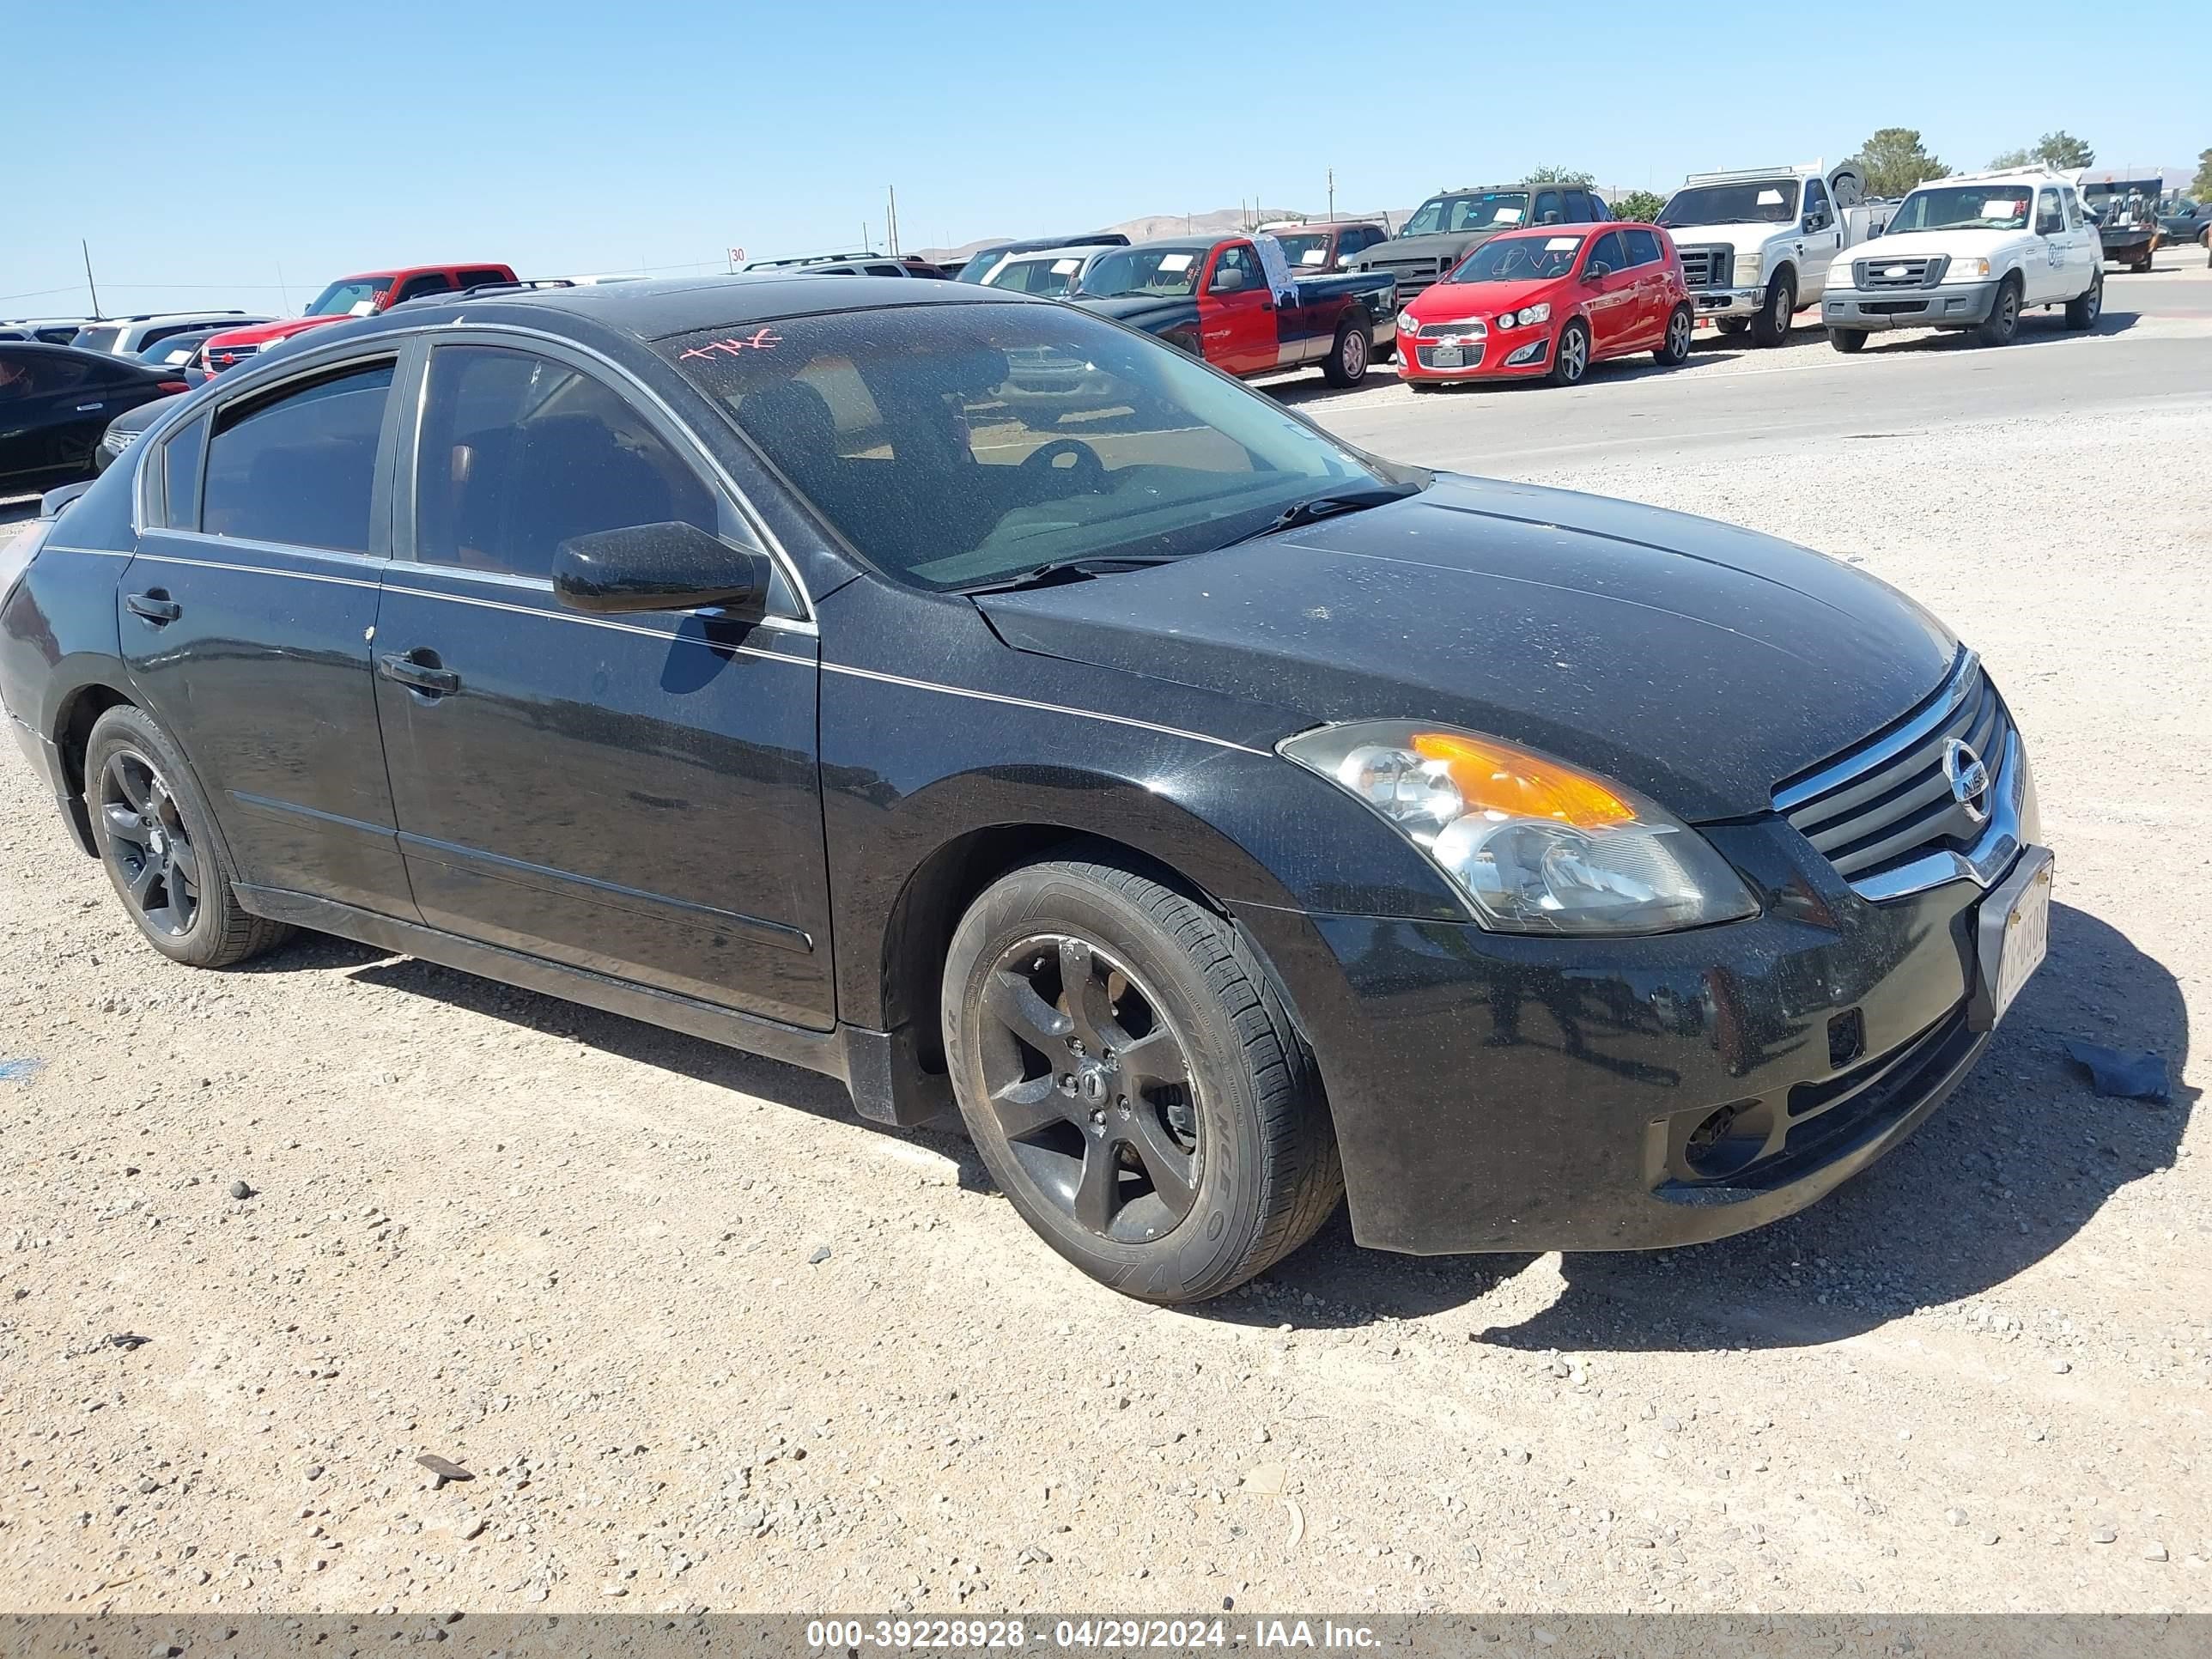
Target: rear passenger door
(245,617)
(637,795)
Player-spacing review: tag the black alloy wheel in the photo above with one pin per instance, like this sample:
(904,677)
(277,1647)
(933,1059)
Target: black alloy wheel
(2004,320)
(1092,1088)
(147,845)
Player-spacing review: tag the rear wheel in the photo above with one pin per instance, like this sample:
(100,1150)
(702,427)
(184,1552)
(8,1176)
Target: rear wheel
(1847,340)
(1675,348)
(2004,320)
(1771,326)
(1132,1081)
(2084,308)
(1571,357)
(1347,360)
(156,841)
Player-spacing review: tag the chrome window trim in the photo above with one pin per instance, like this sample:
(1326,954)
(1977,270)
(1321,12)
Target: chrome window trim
(1856,762)
(1045,708)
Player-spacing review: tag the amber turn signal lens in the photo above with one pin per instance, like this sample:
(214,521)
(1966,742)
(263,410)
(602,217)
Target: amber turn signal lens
(1499,778)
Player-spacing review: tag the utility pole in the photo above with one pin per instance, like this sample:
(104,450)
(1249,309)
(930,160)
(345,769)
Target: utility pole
(1332,195)
(89,283)
(891,219)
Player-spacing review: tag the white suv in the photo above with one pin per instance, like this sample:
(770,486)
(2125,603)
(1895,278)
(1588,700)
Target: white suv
(1971,252)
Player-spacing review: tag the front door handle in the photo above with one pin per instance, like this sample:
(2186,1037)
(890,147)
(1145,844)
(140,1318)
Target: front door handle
(155,606)
(419,671)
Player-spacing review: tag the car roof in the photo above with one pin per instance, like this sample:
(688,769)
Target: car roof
(1073,251)
(69,353)
(654,310)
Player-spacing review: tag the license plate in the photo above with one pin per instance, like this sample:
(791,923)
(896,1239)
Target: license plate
(2015,932)
(1447,357)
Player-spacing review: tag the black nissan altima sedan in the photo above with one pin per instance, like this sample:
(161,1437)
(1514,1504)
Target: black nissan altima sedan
(982,703)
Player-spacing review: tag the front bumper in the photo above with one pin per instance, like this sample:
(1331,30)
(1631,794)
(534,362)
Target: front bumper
(1493,1092)
(1950,305)
(1483,357)
(1728,301)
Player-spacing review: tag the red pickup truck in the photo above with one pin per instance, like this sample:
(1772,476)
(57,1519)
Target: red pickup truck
(1218,299)
(349,296)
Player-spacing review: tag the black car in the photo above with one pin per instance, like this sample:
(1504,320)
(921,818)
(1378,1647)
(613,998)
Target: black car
(1224,818)
(55,401)
(127,429)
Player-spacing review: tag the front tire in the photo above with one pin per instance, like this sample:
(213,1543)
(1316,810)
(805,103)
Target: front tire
(2085,307)
(156,841)
(1732,324)
(1347,360)
(2002,324)
(1674,349)
(1132,1081)
(1771,326)
(1847,340)
(1571,357)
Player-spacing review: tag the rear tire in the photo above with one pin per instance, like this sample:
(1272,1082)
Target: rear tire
(1847,340)
(1347,360)
(2085,307)
(1674,349)
(157,841)
(2002,324)
(1194,1150)
(1771,326)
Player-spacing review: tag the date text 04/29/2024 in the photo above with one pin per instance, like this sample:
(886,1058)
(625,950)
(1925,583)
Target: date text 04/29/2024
(1117,1635)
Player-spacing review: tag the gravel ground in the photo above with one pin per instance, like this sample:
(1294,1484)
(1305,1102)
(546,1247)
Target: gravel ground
(704,1339)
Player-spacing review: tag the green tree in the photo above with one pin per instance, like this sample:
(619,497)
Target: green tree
(1893,161)
(1559,176)
(1638,204)
(2062,149)
(2011,158)
(2201,186)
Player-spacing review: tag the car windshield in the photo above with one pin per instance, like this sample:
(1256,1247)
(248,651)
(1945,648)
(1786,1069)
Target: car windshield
(1519,259)
(958,445)
(177,349)
(1756,202)
(1145,272)
(1963,207)
(356,296)
(96,339)
(1484,209)
(978,264)
(1307,248)
(1052,275)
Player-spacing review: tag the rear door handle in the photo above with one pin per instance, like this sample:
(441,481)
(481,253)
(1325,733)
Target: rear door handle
(155,606)
(415,673)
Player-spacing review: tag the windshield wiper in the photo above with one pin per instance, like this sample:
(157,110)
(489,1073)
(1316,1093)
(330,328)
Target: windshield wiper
(1325,506)
(1069,570)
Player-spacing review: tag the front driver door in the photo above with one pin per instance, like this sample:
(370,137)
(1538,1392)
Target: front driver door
(1609,300)
(2045,274)
(1236,314)
(636,795)
(1822,238)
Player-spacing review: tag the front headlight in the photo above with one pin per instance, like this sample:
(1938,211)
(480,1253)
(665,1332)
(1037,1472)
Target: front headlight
(1408,323)
(1535,845)
(1541,313)
(1746,266)
(1962,270)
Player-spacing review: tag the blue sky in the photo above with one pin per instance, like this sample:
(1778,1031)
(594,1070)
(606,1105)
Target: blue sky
(245,154)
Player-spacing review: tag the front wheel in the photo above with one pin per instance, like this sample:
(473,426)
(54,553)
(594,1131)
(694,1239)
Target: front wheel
(1132,1081)
(1347,360)
(1732,324)
(2004,320)
(1570,357)
(1771,326)
(157,842)
(1847,340)
(1674,349)
(2085,307)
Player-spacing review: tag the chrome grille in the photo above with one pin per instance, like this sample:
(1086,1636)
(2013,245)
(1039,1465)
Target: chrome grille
(1898,273)
(1473,327)
(1888,800)
(1412,275)
(1708,267)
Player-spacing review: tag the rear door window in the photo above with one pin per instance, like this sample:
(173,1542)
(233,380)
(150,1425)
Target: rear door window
(299,467)
(519,453)
(182,454)
(481,276)
(1643,246)
(428,281)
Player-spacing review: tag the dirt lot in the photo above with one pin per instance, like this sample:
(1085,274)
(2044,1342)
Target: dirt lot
(586,1259)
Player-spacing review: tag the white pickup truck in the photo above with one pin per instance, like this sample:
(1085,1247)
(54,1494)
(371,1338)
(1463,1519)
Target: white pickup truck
(1756,243)
(1971,252)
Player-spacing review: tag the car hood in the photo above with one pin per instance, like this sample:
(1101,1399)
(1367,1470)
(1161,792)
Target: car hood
(262,333)
(1698,662)
(1138,310)
(1452,302)
(1742,238)
(1438,245)
(138,419)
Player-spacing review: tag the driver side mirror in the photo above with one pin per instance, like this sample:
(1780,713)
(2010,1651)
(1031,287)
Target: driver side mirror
(1596,272)
(1229,281)
(659,566)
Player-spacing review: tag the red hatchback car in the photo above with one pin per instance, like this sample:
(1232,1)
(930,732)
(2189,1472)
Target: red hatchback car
(1548,303)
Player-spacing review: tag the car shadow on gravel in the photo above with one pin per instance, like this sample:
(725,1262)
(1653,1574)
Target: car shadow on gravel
(2035,329)
(734,1069)
(2006,1172)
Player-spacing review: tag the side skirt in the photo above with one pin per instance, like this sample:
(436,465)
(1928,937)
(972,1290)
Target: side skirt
(888,1084)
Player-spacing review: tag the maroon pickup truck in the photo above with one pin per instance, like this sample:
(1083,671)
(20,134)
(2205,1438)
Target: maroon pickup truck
(1217,300)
